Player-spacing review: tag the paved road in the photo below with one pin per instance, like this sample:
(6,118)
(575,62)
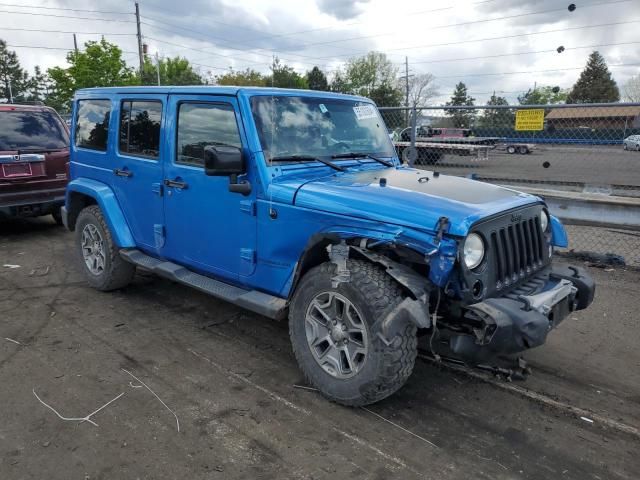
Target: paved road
(229,377)
(596,165)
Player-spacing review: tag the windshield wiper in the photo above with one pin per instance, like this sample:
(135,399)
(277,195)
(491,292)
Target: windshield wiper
(362,155)
(296,158)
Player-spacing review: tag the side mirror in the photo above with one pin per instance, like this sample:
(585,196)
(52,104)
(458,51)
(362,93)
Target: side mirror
(225,160)
(222,160)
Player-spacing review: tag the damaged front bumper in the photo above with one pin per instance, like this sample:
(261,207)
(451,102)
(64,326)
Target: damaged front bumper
(515,323)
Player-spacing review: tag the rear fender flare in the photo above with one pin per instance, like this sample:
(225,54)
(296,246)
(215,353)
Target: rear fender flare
(109,205)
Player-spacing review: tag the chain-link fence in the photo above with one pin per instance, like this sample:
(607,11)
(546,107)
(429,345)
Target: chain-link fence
(589,151)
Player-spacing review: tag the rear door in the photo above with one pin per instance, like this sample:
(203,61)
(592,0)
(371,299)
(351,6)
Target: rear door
(137,166)
(209,228)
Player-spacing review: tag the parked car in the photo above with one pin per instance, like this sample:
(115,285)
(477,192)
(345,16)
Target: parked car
(294,204)
(34,157)
(632,142)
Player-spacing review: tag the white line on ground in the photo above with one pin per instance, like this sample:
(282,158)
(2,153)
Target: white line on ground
(391,458)
(543,399)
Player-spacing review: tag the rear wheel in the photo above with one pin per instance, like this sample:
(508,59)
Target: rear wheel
(335,334)
(522,150)
(511,149)
(103,267)
(624,146)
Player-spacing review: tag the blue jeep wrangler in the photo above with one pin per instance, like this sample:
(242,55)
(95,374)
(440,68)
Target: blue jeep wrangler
(294,203)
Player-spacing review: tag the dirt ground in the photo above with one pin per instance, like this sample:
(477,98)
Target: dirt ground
(230,378)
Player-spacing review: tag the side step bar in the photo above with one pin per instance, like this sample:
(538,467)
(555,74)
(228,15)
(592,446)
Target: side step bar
(258,302)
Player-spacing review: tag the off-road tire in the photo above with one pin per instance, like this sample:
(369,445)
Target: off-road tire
(117,272)
(374,294)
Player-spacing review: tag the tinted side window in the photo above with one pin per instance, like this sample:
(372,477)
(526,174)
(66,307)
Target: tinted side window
(201,125)
(92,124)
(140,128)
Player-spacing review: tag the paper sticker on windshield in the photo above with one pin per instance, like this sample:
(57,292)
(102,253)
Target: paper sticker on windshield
(323,109)
(364,111)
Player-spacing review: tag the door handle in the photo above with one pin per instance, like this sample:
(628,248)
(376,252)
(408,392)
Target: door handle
(122,172)
(176,184)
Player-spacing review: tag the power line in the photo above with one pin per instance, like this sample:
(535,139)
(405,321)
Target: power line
(520,53)
(305,45)
(229,47)
(68,16)
(517,35)
(66,31)
(463,75)
(60,8)
(43,47)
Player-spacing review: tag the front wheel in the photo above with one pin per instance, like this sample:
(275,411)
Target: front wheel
(336,334)
(103,267)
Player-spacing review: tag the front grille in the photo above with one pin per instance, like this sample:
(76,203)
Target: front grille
(518,250)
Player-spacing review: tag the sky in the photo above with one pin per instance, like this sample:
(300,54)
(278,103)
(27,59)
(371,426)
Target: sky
(462,40)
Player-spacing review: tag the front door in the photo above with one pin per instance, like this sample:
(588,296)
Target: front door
(137,162)
(208,227)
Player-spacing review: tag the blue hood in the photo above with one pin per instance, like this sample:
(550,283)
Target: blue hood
(403,196)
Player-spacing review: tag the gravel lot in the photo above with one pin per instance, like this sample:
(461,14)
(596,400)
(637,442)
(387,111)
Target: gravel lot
(229,377)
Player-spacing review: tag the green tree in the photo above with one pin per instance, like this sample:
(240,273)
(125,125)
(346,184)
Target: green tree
(38,86)
(461,118)
(284,76)
(386,95)
(99,65)
(173,71)
(14,80)
(371,74)
(339,83)
(497,117)
(246,78)
(595,85)
(317,80)
(546,95)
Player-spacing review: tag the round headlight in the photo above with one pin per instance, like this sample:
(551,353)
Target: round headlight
(544,221)
(473,251)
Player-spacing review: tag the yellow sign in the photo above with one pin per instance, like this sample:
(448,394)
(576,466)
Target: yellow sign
(530,119)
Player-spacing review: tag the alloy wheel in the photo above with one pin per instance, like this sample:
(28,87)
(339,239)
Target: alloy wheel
(336,334)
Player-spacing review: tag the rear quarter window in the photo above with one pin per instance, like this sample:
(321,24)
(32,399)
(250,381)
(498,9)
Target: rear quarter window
(31,130)
(92,124)
(140,128)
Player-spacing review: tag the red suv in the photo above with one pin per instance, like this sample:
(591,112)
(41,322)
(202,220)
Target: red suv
(34,158)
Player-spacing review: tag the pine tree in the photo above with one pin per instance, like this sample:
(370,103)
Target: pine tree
(317,80)
(14,80)
(462,118)
(497,117)
(595,84)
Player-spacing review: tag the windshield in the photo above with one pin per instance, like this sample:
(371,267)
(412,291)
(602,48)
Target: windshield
(318,127)
(31,130)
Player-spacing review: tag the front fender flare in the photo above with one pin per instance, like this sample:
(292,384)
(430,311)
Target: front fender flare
(109,205)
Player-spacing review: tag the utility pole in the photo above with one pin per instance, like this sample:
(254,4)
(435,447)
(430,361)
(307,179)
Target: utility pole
(406,78)
(158,67)
(139,34)
(75,43)
(406,82)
